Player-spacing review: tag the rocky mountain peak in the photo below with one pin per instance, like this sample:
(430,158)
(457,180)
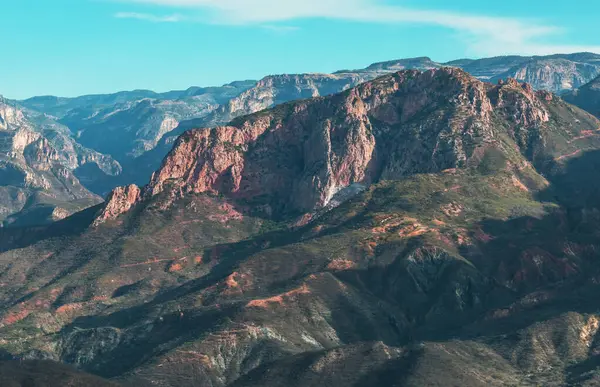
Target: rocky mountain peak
(296,157)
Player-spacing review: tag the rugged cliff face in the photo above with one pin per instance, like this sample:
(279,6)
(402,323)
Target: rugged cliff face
(298,156)
(119,201)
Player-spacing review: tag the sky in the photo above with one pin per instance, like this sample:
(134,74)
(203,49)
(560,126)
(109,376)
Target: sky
(75,47)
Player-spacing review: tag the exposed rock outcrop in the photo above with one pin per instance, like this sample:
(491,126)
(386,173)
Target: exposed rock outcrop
(121,200)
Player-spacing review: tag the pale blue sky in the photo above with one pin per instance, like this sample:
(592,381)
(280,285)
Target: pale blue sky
(74,47)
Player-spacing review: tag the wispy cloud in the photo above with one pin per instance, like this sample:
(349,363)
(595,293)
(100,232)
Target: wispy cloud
(279,28)
(486,35)
(149,17)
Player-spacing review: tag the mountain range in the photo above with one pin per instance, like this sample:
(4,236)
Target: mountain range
(419,228)
(122,138)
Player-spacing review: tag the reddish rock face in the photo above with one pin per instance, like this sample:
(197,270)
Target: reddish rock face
(120,201)
(294,158)
(301,159)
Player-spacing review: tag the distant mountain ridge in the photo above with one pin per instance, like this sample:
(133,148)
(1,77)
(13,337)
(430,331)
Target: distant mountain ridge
(58,106)
(586,97)
(557,73)
(38,163)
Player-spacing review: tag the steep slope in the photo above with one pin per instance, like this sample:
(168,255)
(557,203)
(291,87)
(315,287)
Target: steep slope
(268,92)
(38,162)
(586,97)
(423,233)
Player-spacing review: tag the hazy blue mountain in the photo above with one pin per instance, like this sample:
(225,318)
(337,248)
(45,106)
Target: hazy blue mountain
(38,162)
(586,97)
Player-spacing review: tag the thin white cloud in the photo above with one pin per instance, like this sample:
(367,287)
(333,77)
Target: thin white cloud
(485,35)
(149,17)
(279,28)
